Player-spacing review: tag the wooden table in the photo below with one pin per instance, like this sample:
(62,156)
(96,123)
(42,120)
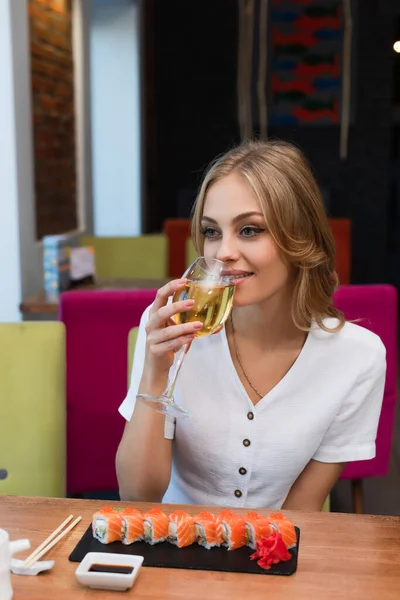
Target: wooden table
(341,557)
(45,304)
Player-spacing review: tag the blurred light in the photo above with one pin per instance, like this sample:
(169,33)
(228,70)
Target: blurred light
(396,46)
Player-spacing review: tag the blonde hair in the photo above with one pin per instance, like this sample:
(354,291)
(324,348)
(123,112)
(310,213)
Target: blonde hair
(281,179)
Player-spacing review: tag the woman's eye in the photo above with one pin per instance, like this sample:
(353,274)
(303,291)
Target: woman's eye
(250,231)
(209,232)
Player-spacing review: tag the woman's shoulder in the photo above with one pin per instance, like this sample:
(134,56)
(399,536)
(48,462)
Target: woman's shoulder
(352,338)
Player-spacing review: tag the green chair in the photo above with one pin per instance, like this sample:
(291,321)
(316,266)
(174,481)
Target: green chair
(132,339)
(191,252)
(143,257)
(32,409)
(327,505)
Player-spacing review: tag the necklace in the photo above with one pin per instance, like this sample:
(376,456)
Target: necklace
(240,362)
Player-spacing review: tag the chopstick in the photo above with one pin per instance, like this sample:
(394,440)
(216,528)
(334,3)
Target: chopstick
(47,540)
(50,541)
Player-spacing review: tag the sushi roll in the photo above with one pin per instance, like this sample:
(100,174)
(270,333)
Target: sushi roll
(132,525)
(257,527)
(209,530)
(155,523)
(107,525)
(234,529)
(285,527)
(181,529)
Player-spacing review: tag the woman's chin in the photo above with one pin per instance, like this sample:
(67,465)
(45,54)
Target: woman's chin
(243,292)
(242,299)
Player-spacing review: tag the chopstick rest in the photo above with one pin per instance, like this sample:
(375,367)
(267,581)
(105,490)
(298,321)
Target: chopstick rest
(30,566)
(17,567)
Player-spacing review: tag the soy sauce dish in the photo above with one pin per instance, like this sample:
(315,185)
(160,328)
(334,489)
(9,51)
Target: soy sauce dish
(107,571)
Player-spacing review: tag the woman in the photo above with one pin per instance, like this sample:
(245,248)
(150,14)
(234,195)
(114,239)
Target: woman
(287,392)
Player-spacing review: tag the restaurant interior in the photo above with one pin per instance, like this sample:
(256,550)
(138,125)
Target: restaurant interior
(111,110)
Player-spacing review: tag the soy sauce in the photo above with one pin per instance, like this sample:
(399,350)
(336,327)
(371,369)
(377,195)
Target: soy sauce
(120,569)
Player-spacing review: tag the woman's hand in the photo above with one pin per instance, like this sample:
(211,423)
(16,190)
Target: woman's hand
(164,337)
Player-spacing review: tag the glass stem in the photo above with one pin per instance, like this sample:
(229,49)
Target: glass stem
(176,367)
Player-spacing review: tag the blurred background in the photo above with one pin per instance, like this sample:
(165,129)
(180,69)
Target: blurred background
(110,111)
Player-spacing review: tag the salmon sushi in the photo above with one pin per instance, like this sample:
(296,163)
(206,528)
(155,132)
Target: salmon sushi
(107,525)
(257,527)
(132,525)
(209,529)
(234,529)
(285,527)
(155,523)
(181,529)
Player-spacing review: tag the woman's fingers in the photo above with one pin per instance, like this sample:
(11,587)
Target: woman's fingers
(160,318)
(167,312)
(167,334)
(165,292)
(172,345)
(163,335)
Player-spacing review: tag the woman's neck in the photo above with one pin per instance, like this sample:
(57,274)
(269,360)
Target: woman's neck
(269,324)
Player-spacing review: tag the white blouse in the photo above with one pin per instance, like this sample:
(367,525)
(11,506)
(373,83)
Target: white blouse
(232,453)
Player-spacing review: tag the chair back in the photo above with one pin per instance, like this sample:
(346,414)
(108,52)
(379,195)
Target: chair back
(341,230)
(177,232)
(132,339)
(97,326)
(191,253)
(32,409)
(144,256)
(376,307)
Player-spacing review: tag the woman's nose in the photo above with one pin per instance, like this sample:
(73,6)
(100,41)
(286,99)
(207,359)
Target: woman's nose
(227,250)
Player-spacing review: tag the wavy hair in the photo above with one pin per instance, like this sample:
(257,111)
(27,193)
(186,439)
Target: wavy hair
(281,179)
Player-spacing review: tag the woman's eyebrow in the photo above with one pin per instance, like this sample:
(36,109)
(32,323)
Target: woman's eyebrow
(240,217)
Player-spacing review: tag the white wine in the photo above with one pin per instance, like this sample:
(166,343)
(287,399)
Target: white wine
(212,305)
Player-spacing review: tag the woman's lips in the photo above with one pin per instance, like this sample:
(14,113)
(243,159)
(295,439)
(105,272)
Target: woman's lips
(235,273)
(240,280)
(239,277)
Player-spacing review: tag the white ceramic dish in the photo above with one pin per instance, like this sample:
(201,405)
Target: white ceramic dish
(108,580)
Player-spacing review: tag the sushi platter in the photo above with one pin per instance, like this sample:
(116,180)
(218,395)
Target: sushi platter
(218,542)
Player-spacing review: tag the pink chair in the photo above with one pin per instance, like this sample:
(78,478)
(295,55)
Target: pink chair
(376,305)
(97,326)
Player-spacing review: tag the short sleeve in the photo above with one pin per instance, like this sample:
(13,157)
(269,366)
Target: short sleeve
(128,405)
(352,434)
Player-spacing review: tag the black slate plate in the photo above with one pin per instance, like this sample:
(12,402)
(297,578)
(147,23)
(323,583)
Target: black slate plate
(191,557)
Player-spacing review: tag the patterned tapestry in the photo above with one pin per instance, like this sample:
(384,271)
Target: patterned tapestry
(305,75)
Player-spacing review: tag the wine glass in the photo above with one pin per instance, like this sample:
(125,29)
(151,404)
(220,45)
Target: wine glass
(212,292)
